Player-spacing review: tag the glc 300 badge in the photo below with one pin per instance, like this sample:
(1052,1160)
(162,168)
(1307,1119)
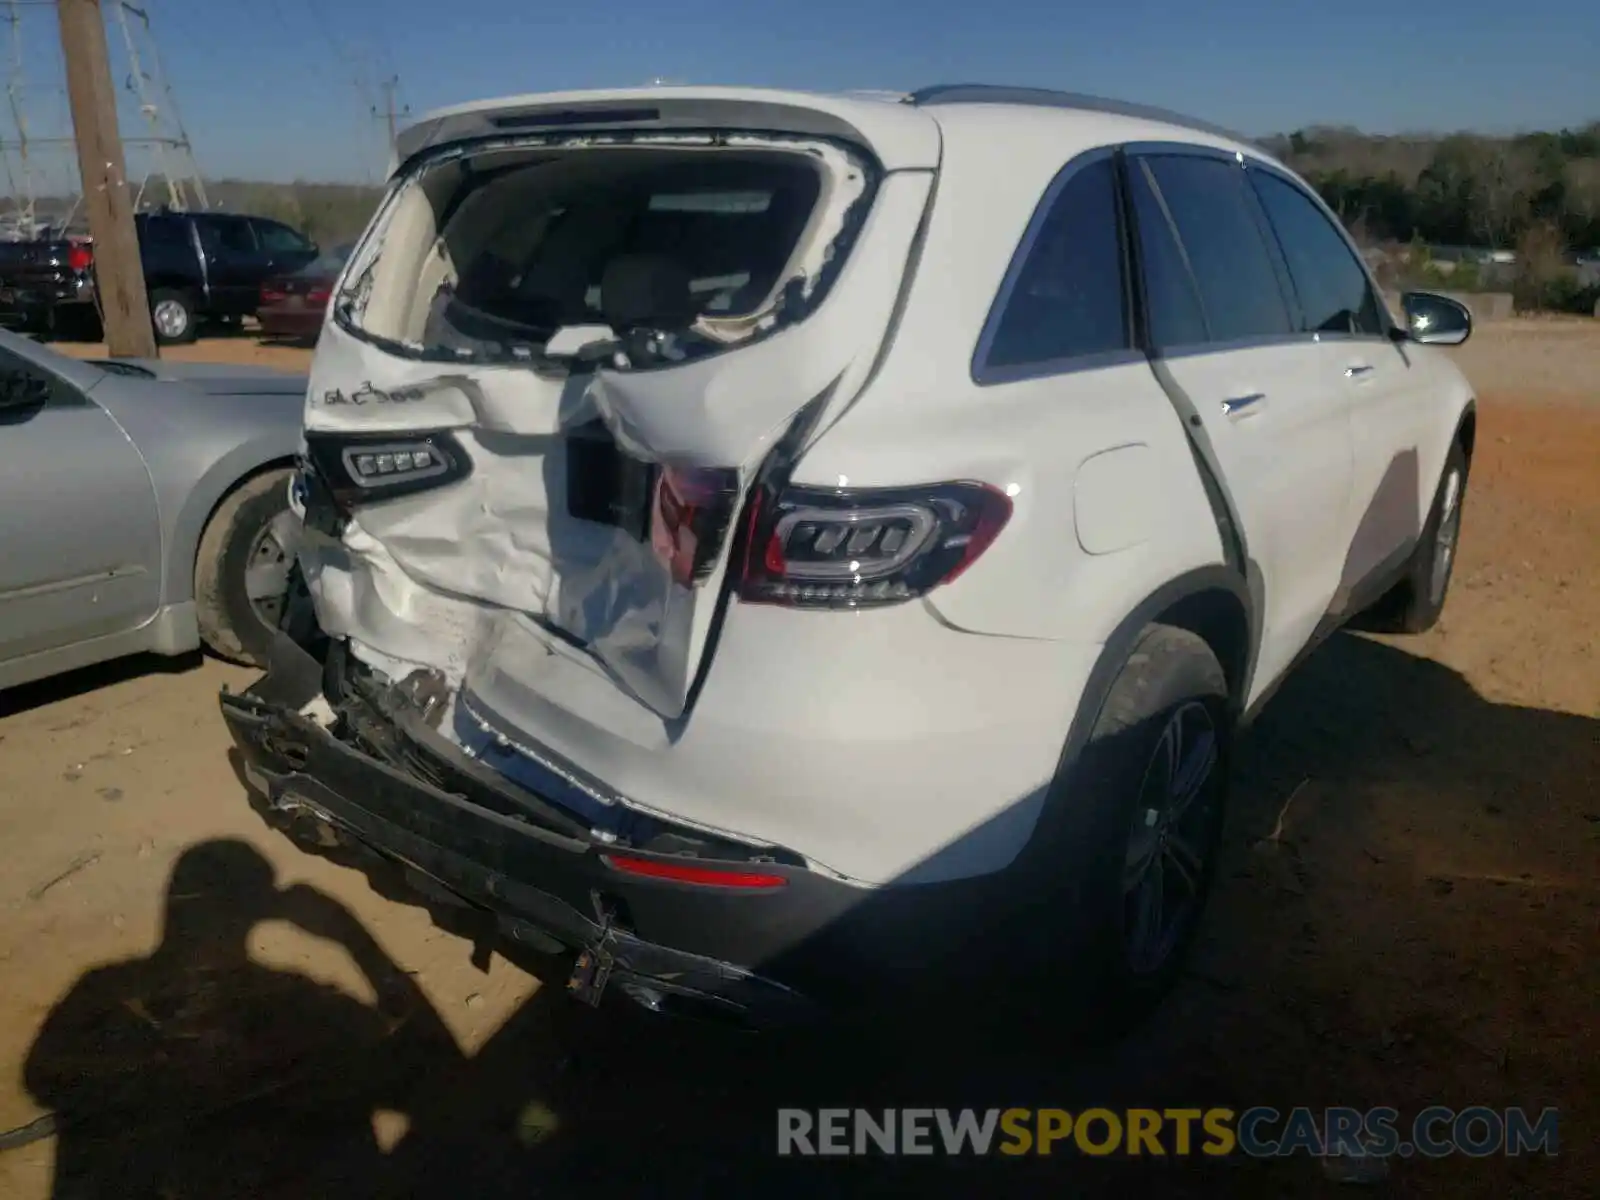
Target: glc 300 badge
(367,394)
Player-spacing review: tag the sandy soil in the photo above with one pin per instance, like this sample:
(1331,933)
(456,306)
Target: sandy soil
(1407,915)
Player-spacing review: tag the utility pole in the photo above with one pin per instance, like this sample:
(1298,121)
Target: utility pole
(119,274)
(389,112)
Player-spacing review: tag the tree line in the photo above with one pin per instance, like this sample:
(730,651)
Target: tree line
(1537,194)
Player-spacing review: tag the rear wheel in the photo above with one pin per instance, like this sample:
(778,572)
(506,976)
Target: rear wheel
(242,570)
(172,314)
(1139,819)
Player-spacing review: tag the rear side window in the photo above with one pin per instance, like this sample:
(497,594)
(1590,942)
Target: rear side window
(166,232)
(1065,301)
(1334,294)
(1225,247)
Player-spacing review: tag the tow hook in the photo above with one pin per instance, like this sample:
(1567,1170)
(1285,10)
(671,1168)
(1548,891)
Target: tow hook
(592,970)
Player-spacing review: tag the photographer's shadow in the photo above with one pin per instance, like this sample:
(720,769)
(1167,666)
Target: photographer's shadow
(199,1072)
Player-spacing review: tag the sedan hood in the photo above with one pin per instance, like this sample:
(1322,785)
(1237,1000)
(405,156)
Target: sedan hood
(219,379)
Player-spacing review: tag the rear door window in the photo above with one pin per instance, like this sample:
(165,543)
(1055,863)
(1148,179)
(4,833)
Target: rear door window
(230,235)
(1172,298)
(1064,300)
(1334,292)
(1224,245)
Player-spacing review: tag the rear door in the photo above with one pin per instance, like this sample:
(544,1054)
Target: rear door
(80,542)
(235,264)
(1390,403)
(1271,409)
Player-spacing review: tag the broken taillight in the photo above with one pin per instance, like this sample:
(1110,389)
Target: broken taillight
(689,517)
(860,547)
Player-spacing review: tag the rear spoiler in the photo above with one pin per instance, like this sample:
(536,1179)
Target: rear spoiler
(896,134)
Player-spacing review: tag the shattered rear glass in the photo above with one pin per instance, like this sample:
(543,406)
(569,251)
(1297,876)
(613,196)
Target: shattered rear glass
(482,258)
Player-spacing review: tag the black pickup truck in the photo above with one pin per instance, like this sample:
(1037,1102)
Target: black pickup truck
(198,267)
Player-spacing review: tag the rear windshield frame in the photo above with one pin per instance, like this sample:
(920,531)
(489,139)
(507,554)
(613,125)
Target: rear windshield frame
(365,253)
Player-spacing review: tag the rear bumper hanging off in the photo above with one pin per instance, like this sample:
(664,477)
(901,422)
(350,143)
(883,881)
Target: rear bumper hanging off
(759,956)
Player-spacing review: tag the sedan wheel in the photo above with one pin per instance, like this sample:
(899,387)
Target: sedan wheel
(172,319)
(266,574)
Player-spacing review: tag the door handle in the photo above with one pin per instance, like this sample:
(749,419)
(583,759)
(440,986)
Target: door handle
(1356,371)
(1240,405)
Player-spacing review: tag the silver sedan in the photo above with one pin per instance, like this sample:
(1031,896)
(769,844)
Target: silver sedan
(144,506)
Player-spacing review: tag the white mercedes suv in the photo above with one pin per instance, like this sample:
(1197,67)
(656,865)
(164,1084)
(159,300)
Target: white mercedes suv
(758,540)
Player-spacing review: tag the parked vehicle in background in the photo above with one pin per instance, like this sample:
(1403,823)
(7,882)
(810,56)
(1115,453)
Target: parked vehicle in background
(776,541)
(198,267)
(144,506)
(294,305)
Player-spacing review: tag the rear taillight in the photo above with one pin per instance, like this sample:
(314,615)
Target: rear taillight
(858,547)
(273,295)
(317,296)
(365,468)
(80,257)
(689,517)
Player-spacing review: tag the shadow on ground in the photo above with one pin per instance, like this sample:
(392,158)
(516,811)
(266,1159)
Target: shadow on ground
(79,682)
(1405,916)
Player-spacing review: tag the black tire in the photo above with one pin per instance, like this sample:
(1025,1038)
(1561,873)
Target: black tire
(232,624)
(172,312)
(1416,602)
(1103,802)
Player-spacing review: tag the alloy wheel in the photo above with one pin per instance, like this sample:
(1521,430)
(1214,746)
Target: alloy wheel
(1170,840)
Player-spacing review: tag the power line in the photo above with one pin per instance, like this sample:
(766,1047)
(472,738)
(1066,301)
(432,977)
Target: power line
(389,114)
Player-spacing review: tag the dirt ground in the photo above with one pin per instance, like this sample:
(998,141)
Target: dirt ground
(1407,915)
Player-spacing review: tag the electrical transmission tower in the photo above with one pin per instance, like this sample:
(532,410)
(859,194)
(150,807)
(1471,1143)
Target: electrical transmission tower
(37,157)
(23,216)
(168,140)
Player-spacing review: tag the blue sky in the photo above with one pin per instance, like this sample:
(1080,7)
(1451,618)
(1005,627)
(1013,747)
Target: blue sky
(282,88)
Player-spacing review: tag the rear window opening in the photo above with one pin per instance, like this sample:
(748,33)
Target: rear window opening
(676,250)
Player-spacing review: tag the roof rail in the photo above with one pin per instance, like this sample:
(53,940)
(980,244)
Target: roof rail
(990,93)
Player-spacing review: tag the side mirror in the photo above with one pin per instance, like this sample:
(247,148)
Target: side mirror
(1436,320)
(21,391)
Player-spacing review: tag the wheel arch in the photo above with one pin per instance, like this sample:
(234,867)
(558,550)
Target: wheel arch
(1211,602)
(226,476)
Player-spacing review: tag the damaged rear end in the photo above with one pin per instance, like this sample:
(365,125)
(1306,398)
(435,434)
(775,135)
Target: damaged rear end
(548,434)
(556,368)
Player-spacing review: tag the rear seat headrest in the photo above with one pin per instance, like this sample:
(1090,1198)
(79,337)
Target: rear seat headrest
(646,291)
